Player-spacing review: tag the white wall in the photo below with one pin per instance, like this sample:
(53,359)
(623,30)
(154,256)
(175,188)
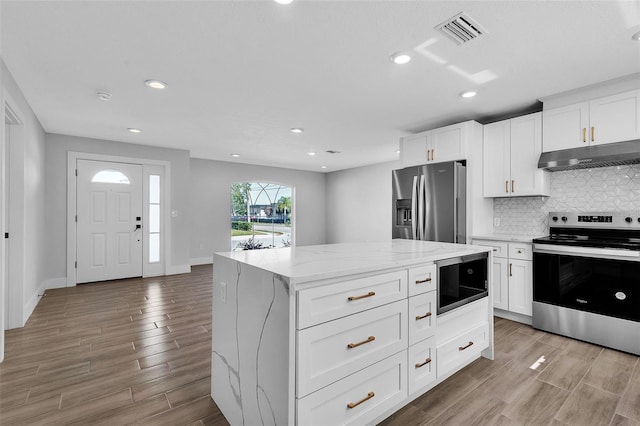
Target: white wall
(359,204)
(27,207)
(57,147)
(210,191)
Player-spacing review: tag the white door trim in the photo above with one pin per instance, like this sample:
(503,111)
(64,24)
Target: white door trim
(72,158)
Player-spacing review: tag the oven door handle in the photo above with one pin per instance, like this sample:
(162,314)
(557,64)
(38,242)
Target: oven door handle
(584,251)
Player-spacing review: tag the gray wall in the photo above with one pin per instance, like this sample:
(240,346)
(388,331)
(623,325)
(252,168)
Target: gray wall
(57,147)
(210,191)
(359,204)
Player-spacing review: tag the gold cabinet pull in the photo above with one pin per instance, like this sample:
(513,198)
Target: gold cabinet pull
(584,134)
(506,186)
(422,364)
(593,133)
(428,155)
(355,404)
(352,298)
(419,317)
(462,348)
(355,345)
(511,269)
(513,186)
(426,280)
(433,154)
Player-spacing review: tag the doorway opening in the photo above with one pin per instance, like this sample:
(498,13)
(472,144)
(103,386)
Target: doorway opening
(261,216)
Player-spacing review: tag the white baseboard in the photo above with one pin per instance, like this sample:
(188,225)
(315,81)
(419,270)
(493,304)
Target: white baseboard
(201,260)
(524,319)
(35,298)
(178,269)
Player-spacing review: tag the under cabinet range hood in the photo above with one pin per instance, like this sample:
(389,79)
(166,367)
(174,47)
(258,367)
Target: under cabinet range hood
(613,154)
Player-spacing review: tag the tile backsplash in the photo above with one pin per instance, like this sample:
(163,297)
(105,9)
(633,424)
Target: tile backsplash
(603,189)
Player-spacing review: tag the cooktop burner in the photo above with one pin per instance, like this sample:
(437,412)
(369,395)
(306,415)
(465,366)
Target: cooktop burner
(605,230)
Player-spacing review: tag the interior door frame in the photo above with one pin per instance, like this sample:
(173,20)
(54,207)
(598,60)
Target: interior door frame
(165,222)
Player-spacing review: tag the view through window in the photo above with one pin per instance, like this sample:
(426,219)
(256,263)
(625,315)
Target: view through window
(260,216)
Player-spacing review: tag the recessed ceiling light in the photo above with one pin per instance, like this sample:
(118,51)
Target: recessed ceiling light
(283,1)
(311,153)
(323,167)
(397,151)
(134,130)
(400,58)
(468,94)
(235,155)
(296,130)
(636,36)
(156,84)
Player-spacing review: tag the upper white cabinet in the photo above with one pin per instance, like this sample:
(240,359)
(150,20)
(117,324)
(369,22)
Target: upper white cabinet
(609,119)
(511,149)
(435,146)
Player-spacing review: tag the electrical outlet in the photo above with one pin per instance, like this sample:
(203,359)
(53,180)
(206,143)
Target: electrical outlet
(496,221)
(223,292)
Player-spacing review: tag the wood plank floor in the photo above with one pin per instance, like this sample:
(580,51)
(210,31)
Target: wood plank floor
(139,351)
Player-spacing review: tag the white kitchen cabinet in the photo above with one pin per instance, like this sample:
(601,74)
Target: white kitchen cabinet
(435,146)
(608,119)
(511,149)
(512,277)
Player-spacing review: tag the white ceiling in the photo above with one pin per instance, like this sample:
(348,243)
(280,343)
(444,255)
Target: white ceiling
(241,73)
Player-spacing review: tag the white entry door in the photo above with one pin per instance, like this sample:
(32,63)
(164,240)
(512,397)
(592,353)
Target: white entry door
(109,221)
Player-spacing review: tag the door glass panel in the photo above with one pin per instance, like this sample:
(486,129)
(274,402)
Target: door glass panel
(154,248)
(154,189)
(154,218)
(110,176)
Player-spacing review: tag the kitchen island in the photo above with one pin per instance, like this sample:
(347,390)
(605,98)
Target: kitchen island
(338,333)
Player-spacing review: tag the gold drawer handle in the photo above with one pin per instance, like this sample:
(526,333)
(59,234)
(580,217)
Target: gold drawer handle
(506,186)
(428,152)
(426,280)
(422,364)
(462,348)
(584,134)
(513,189)
(419,317)
(355,345)
(355,404)
(593,134)
(352,298)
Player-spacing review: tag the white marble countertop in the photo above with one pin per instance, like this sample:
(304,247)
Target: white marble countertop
(310,263)
(507,237)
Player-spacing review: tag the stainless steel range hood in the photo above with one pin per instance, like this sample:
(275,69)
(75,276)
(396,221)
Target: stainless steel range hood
(613,154)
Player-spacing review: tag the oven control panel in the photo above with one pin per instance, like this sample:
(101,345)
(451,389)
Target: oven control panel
(601,219)
(609,220)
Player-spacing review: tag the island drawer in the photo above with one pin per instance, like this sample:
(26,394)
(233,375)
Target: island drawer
(359,398)
(462,349)
(422,279)
(500,248)
(326,303)
(333,350)
(422,364)
(422,316)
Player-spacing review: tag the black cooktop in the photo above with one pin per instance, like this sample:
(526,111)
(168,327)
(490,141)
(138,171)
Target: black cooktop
(602,238)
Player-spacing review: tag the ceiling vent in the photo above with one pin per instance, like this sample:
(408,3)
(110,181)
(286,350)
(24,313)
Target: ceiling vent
(461,28)
(331,151)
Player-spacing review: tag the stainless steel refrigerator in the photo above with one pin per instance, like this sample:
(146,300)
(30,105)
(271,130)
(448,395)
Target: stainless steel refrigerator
(429,202)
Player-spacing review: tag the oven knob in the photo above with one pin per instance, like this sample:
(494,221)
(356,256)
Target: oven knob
(628,219)
(555,218)
(620,295)
(564,218)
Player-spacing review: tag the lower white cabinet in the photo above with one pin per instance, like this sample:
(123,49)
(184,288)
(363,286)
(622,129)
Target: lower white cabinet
(422,364)
(461,349)
(512,275)
(359,398)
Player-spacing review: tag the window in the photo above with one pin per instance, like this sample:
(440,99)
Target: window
(110,176)
(261,216)
(154,218)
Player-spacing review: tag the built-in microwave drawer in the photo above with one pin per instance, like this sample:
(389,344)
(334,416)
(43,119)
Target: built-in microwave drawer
(522,251)
(326,303)
(500,249)
(422,279)
(359,398)
(333,350)
(422,316)
(462,349)
(422,364)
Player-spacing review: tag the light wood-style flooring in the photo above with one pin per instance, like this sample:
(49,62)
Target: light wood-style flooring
(139,351)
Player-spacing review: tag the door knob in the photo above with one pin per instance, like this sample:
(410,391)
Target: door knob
(138,227)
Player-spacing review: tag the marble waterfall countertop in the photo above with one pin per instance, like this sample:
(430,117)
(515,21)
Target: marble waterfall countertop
(310,263)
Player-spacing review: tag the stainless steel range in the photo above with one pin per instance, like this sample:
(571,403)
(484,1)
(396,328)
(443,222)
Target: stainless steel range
(586,278)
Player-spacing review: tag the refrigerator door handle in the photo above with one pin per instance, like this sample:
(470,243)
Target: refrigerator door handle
(421,208)
(414,207)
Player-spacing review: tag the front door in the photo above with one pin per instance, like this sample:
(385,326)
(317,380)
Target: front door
(109,220)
